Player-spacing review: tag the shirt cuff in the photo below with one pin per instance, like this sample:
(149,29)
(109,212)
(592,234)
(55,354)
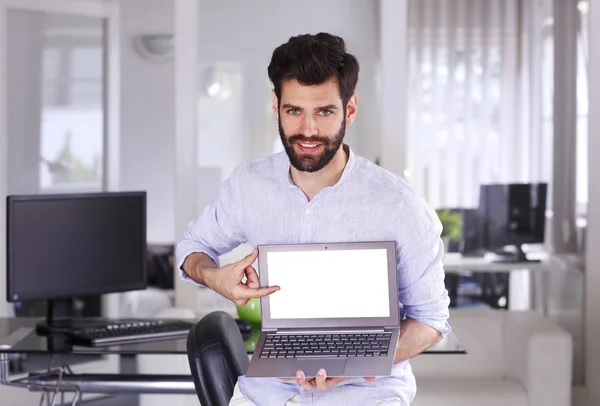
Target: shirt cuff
(186,248)
(441,326)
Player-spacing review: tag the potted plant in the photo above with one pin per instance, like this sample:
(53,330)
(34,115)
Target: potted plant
(451,226)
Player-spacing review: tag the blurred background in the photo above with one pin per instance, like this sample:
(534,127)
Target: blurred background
(481,105)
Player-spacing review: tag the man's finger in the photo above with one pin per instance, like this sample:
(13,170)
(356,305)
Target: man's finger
(252,278)
(321,381)
(303,382)
(369,378)
(248,293)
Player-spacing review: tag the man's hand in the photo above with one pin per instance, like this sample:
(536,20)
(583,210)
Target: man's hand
(321,382)
(228,280)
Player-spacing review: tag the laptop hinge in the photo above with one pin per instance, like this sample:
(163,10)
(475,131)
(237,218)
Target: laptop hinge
(328,330)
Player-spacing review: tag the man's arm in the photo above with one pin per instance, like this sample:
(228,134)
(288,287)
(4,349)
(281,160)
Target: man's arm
(415,337)
(215,232)
(195,266)
(422,292)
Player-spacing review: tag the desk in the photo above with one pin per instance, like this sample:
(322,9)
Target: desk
(457,263)
(528,282)
(17,336)
(517,284)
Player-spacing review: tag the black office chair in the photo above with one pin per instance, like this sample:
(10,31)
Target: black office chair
(217,358)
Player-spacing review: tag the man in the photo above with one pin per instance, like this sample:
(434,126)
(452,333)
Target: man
(318,191)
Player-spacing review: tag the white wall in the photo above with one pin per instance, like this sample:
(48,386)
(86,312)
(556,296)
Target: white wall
(148,116)
(252,30)
(228,31)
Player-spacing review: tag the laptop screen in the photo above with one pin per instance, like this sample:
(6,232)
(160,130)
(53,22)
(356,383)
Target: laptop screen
(329,284)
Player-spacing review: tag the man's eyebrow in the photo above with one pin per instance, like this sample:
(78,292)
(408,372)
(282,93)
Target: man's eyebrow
(291,106)
(327,107)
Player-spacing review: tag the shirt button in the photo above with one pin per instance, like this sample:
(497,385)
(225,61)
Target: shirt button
(307,211)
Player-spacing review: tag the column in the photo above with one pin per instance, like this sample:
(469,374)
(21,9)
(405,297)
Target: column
(394,92)
(186,96)
(592,259)
(565,130)
(4,306)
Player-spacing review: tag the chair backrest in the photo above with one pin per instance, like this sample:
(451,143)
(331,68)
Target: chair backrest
(217,358)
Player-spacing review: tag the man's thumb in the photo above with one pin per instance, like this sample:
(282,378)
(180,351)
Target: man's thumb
(249,259)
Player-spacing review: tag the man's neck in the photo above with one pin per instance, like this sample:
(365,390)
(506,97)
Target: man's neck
(312,183)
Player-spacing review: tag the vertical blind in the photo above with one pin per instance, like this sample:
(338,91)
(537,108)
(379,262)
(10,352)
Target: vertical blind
(476,87)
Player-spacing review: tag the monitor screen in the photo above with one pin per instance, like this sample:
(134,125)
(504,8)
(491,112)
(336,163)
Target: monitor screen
(513,214)
(329,284)
(61,246)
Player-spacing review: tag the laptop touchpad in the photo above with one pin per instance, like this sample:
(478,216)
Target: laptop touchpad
(310,366)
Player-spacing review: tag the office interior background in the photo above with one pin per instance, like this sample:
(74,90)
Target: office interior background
(168,96)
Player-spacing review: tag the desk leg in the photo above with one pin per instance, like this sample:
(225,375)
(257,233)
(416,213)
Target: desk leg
(49,392)
(540,289)
(452,288)
(128,365)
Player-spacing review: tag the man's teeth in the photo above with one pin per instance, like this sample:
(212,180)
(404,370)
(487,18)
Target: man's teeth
(309,145)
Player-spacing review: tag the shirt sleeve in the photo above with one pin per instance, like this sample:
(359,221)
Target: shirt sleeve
(422,291)
(218,230)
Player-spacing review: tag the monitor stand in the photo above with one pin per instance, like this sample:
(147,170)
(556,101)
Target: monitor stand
(60,319)
(513,257)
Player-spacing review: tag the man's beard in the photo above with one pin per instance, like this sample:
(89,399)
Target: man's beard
(312,162)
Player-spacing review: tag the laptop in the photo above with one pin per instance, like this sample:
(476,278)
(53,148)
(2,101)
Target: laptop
(337,309)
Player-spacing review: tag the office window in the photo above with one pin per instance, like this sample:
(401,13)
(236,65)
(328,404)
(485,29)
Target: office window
(56,123)
(473,108)
(72,128)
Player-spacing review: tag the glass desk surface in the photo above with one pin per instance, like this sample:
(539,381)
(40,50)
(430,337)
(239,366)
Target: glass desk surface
(18,335)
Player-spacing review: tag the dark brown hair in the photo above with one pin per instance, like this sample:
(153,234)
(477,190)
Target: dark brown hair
(313,60)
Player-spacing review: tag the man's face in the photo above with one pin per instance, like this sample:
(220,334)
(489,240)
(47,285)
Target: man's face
(312,122)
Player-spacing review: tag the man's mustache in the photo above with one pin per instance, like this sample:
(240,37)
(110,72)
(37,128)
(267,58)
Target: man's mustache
(301,138)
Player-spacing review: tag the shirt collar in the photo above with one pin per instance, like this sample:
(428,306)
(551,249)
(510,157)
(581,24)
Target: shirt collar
(348,169)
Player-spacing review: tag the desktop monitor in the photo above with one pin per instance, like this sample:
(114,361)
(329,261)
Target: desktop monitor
(68,245)
(512,215)
(469,243)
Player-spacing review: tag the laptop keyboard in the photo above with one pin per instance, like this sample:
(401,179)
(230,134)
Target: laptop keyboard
(326,345)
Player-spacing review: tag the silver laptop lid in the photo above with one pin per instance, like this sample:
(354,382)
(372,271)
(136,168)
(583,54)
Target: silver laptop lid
(329,285)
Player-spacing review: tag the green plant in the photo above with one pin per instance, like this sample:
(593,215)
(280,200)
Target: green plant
(451,224)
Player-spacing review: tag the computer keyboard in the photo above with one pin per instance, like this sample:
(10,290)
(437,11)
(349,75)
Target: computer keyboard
(326,345)
(130,332)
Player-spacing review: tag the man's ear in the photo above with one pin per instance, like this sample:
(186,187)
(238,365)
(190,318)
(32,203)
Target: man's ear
(275,104)
(351,109)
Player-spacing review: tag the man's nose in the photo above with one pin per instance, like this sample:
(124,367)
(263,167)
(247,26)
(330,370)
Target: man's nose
(309,126)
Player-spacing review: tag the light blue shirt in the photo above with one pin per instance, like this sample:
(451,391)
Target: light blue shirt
(260,204)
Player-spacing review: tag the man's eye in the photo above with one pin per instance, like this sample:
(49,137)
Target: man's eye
(293,112)
(326,112)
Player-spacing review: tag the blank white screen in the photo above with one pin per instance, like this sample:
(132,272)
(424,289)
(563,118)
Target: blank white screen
(329,284)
